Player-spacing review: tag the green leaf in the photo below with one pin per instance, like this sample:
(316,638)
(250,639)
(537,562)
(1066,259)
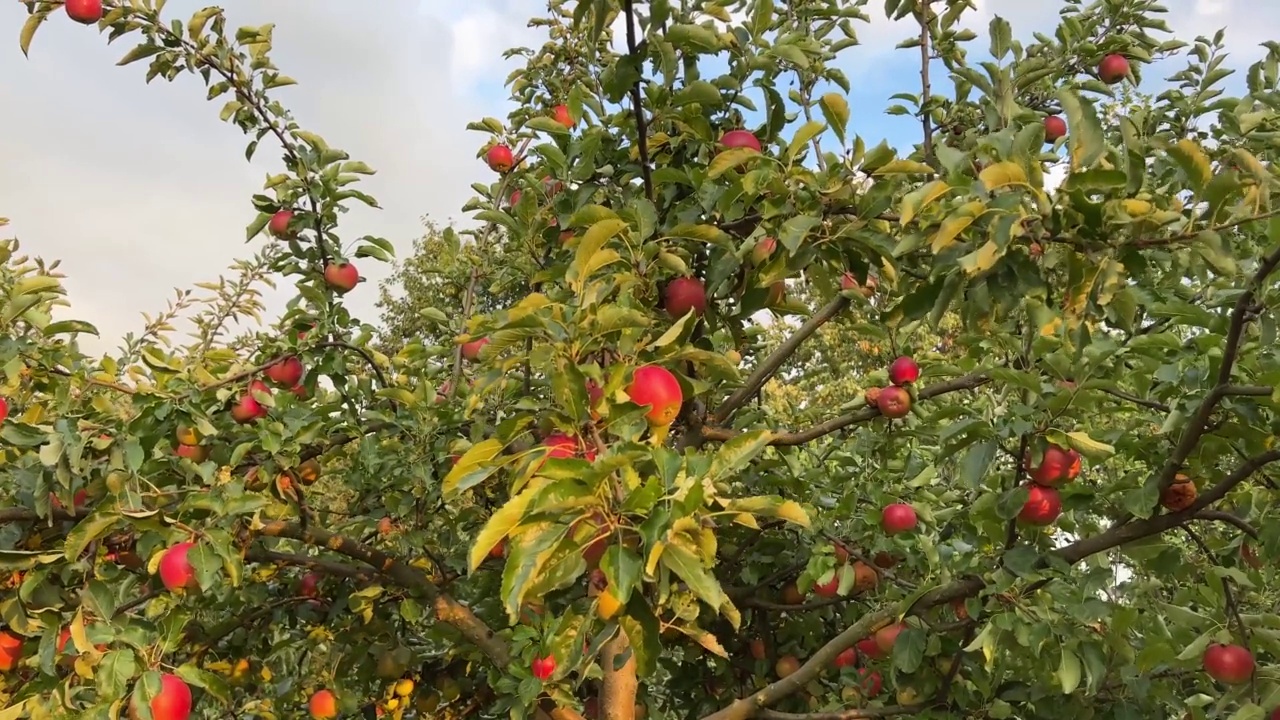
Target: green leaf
(903,167)
(796,229)
(1194,163)
(1210,246)
(1069,671)
(835,108)
(686,564)
(1087,143)
(644,633)
(141,52)
(622,568)
(474,466)
(693,38)
(502,522)
(729,159)
(87,530)
(1090,448)
(977,459)
(28,33)
(700,92)
(115,671)
(909,649)
(545,124)
(761,17)
(737,453)
(807,132)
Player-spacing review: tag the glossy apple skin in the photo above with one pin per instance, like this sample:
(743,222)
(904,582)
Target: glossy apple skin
(85,12)
(894,402)
(1229,664)
(887,636)
(683,295)
(1055,128)
(278,225)
(341,276)
(829,588)
(471,350)
(173,702)
(898,518)
(656,387)
(1113,69)
(175,568)
(288,372)
(323,705)
(740,138)
(1042,507)
(904,371)
(499,158)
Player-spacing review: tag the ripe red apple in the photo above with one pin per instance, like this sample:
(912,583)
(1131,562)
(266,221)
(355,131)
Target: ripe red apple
(515,198)
(1056,466)
(740,138)
(758,650)
(567,446)
(195,453)
(323,705)
(868,648)
(786,665)
(173,702)
(247,409)
(904,371)
(1229,664)
(287,372)
(791,595)
(279,223)
(499,158)
(1043,506)
(176,571)
(10,650)
(341,276)
(299,391)
(828,588)
(888,635)
(894,402)
(656,387)
(561,115)
(471,350)
(870,682)
(309,585)
(684,294)
(4,409)
(85,12)
(499,550)
(1054,128)
(544,667)
(78,500)
(1113,69)
(763,250)
(898,518)
(847,658)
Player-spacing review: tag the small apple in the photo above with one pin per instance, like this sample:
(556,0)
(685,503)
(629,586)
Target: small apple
(567,446)
(278,225)
(841,552)
(740,138)
(10,650)
(173,702)
(288,372)
(1229,664)
(78,500)
(187,436)
(758,650)
(247,409)
(544,667)
(515,198)
(499,158)
(323,705)
(864,577)
(960,608)
(471,350)
(829,587)
(898,518)
(655,387)
(1043,506)
(777,294)
(904,371)
(195,453)
(684,294)
(560,114)
(1055,128)
(385,526)
(847,658)
(551,187)
(791,595)
(763,250)
(868,648)
(1113,69)
(309,585)
(872,396)
(85,12)
(341,276)
(175,569)
(786,665)
(888,635)
(894,402)
(1180,495)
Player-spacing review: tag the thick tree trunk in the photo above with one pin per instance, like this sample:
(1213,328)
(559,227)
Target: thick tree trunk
(618,690)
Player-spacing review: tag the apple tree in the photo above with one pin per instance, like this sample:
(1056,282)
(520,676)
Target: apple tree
(1045,493)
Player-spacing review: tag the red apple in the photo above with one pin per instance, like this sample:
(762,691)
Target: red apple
(78,500)
(299,391)
(685,294)
(176,571)
(544,667)
(898,518)
(499,158)
(740,138)
(173,702)
(341,276)
(1055,467)
(560,114)
(10,650)
(1113,69)
(904,371)
(4,409)
(1054,128)
(1229,664)
(763,250)
(894,402)
(85,12)
(566,446)
(1043,506)
(847,658)
(323,705)
(848,281)
(279,223)
(888,635)
(830,587)
(1250,556)
(309,585)
(515,198)
(870,682)
(656,387)
(195,453)
(552,187)
(868,648)
(758,650)
(471,350)
(247,409)
(287,372)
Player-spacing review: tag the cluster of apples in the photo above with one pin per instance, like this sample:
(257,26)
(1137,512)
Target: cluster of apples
(286,372)
(895,401)
(500,158)
(876,647)
(340,275)
(1044,504)
(1111,70)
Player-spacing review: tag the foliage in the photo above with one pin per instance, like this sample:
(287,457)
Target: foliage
(462,535)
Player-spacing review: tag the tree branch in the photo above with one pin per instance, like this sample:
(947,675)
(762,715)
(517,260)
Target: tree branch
(926,120)
(637,102)
(774,361)
(800,437)
(620,684)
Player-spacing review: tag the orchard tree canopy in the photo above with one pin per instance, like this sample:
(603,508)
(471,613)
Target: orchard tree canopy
(1017,458)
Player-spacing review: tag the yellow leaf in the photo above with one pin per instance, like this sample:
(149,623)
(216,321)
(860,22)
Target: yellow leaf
(982,259)
(959,220)
(1193,161)
(747,519)
(1136,208)
(651,565)
(477,455)
(1001,174)
(705,639)
(729,159)
(502,522)
(903,167)
(917,200)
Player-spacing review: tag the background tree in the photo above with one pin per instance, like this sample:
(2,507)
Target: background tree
(1064,512)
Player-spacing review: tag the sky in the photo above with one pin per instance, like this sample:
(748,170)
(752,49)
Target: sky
(140,189)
